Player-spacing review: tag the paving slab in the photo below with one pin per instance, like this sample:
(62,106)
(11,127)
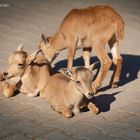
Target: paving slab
(131,122)
(28,126)
(105,126)
(130,134)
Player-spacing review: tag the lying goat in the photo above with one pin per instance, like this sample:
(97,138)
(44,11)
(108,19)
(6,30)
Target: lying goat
(28,73)
(68,91)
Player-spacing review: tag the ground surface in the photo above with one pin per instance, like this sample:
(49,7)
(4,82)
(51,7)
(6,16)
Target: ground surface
(23,21)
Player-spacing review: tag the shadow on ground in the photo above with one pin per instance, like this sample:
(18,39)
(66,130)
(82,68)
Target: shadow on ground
(130,68)
(104,101)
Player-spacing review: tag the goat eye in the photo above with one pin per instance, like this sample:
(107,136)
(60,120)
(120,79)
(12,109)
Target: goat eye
(78,83)
(20,65)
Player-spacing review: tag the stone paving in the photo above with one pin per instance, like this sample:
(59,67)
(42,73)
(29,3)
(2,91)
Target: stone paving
(22,118)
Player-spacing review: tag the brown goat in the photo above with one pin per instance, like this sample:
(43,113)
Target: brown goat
(68,91)
(90,28)
(27,73)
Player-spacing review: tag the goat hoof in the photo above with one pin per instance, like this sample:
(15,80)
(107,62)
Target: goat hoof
(33,94)
(95,86)
(76,112)
(93,108)
(67,114)
(114,85)
(42,95)
(95,111)
(30,95)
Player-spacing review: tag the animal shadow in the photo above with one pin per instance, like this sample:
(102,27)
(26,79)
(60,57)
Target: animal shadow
(104,101)
(130,67)
(77,62)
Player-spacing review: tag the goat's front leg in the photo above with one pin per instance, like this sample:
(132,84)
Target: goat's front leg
(76,109)
(93,108)
(105,65)
(66,112)
(8,90)
(71,51)
(34,94)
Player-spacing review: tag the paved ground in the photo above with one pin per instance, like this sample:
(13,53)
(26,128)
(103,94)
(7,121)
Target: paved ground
(23,21)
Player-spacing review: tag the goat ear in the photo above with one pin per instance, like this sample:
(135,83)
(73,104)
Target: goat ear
(1,76)
(92,66)
(33,56)
(49,38)
(67,73)
(44,38)
(20,47)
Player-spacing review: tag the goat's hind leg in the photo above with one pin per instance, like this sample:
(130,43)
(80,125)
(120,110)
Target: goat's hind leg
(117,61)
(86,56)
(66,112)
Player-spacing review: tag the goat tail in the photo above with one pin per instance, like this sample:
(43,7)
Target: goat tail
(120,30)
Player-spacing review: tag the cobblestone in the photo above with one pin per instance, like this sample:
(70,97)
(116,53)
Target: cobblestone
(133,109)
(28,126)
(114,115)
(130,134)
(105,126)
(132,122)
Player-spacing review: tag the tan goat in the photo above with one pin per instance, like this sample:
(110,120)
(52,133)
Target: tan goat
(68,91)
(28,73)
(90,28)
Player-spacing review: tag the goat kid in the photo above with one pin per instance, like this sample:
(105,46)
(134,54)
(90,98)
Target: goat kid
(89,28)
(26,73)
(68,91)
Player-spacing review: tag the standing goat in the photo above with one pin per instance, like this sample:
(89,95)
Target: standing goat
(90,28)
